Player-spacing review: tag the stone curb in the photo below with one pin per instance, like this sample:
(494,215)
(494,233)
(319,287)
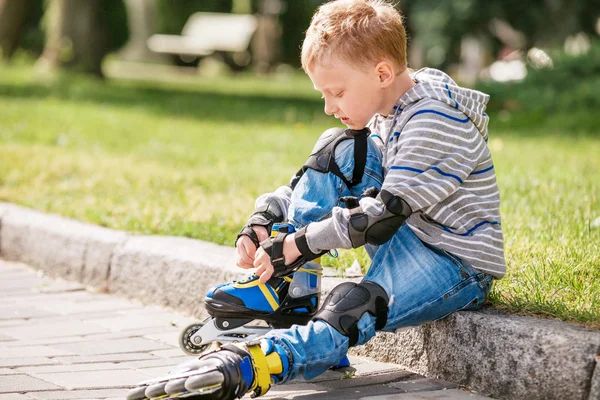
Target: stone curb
(499,355)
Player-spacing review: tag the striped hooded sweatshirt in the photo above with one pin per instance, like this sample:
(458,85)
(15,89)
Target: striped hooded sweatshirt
(435,157)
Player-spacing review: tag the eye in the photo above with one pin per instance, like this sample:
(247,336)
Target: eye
(339,94)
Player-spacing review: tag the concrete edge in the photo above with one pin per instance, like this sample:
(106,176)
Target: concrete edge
(500,355)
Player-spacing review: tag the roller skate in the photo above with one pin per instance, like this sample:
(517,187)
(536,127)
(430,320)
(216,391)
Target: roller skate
(247,309)
(228,372)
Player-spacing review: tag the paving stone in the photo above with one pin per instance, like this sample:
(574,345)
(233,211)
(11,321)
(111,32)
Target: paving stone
(9,371)
(23,313)
(23,383)
(354,360)
(5,338)
(51,329)
(176,319)
(156,371)
(293,390)
(172,352)
(126,334)
(44,342)
(24,362)
(131,345)
(368,380)
(70,368)
(14,396)
(12,266)
(451,394)
(32,351)
(422,385)
(62,286)
(161,362)
(123,323)
(104,358)
(349,393)
(170,338)
(80,394)
(70,307)
(328,376)
(373,367)
(12,322)
(95,379)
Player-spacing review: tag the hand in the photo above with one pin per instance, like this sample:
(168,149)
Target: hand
(262,261)
(245,248)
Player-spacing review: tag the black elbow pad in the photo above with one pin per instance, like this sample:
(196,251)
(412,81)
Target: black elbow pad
(378,229)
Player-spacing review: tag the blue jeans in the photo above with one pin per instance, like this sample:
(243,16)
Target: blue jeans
(423,283)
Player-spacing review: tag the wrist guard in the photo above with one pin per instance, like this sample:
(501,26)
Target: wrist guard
(262,216)
(273,246)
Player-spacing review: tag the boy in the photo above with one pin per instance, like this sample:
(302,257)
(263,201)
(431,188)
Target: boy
(419,192)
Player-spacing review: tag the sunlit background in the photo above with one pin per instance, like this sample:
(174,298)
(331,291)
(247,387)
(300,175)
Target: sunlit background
(170,117)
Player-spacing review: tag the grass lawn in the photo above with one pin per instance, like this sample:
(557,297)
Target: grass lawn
(188,159)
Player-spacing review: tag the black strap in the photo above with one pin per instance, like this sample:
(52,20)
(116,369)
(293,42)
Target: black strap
(325,161)
(248,231)
(360,156)
(273,246)
(302,244)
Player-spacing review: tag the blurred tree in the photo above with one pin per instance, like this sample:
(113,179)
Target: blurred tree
(439,26)
(295,19)
(141,15)
(78,36)
(13,15)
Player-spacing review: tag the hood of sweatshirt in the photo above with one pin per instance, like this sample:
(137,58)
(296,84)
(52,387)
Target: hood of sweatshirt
(437,85)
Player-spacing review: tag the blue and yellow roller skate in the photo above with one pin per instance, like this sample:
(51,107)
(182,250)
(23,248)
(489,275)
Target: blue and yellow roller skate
(247,309)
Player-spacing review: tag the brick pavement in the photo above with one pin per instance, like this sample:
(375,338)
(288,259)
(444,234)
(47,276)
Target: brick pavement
(59,341)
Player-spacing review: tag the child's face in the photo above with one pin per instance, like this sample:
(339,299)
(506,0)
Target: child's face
(351,94)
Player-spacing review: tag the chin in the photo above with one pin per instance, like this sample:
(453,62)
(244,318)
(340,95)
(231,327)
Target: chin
(355,126)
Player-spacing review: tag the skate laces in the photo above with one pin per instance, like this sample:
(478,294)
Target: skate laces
(249,278)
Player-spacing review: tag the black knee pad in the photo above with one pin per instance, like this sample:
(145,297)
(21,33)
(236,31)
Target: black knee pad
(348,302)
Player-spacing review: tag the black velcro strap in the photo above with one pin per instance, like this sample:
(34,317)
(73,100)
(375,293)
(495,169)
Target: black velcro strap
(360,155)
(274,248)
(302,244)
(248,231)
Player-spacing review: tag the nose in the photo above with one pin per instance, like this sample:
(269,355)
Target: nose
(330,108)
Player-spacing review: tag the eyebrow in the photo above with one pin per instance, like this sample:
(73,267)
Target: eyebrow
(330,90)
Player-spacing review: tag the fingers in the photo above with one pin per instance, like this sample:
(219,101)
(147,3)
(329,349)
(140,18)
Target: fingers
(264,268)
(266,275)
(245,253)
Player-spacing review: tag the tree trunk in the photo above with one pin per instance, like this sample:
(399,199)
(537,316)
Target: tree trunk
(141,15)
(76,38)
(13,14)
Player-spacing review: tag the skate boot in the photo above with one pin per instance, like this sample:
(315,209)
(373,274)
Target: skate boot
(247,309)
(227,373)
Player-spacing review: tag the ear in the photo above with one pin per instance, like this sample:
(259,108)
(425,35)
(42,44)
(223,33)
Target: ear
(385,73)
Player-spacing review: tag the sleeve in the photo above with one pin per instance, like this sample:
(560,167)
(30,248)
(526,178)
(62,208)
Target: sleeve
(275,203)
(433,156)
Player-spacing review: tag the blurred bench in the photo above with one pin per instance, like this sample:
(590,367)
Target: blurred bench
(206,33)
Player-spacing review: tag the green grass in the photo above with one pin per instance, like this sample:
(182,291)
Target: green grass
(188,159)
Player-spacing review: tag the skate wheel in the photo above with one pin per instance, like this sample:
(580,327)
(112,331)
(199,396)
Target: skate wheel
(175,387)
(209,381)
(156,390)
(185,340)
(137,393)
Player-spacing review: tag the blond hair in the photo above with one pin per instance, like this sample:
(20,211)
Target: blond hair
(360,32)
